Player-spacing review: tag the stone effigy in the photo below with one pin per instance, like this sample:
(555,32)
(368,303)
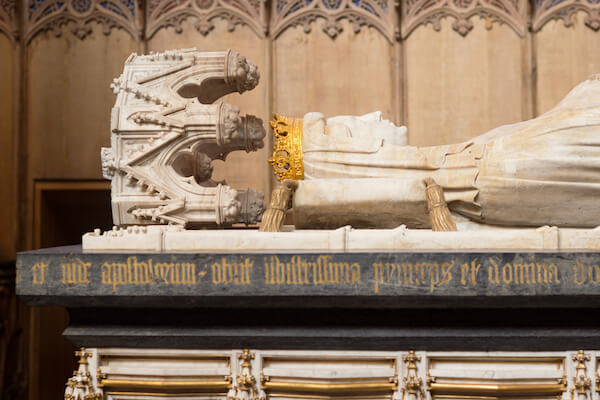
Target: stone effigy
(352,182)
(543,171)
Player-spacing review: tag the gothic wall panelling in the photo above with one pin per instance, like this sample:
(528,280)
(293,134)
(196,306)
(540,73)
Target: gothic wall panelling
(565,56)
(376,13)
(353,74)
(241,170)
(51,15)
(8,18)
(171,13)
(459,87)
(346,68)
(7,151)
(68,101)
(565,10)
(422,12)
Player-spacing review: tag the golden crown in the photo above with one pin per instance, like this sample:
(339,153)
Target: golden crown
(287,148)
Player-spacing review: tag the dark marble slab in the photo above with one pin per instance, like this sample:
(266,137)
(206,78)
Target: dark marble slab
(67,277)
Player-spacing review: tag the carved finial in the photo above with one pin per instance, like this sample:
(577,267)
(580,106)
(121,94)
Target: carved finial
(413,385)
(581,382)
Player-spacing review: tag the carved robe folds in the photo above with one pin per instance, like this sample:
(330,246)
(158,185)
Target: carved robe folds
(544,171)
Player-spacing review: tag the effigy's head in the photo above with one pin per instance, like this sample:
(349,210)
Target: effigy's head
(287,148)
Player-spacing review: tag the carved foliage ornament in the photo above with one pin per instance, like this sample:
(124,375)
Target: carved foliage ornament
(417,12)
(51,15)
(8,18)
(165,13)
(546,10)
(376,13)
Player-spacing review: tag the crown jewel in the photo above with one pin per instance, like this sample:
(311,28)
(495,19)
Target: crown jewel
(287,149)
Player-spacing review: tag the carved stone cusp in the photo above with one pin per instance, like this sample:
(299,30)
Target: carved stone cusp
(239,133)
(243,73)
(253,206)
(253,132)
(229,207)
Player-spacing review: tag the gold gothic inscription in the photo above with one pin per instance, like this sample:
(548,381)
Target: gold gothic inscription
(324,269)
(586,273)
(413,274)
(39,271)
(227,273)
(135,272)
(434,275)
(75,273)
(300,271)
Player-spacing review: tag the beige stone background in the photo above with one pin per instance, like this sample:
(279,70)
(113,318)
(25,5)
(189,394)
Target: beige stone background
(55,105)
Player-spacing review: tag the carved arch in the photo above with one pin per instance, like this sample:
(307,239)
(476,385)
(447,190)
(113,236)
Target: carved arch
(421,12)
(379,14)
(165,13)
(546,10)
(8,19)
(51,15)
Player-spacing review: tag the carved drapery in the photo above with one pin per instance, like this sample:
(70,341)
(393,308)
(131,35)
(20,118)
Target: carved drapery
(546,10)
(165,13)
(375,13)
(51,15)
(8,20)
(417,12)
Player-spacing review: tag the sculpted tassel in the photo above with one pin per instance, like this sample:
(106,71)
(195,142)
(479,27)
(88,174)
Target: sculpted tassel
(273,217)
(439,214)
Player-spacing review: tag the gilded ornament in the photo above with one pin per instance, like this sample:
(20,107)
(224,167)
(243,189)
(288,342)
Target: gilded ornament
(287,149)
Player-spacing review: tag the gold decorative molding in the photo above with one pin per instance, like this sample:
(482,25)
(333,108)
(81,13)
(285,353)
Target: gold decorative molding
(379,14)
(166,385)
(8,19)
(329,388)
(80,386)
(547,10)
(51,15)
(422,12)
(164,13)
(287,160)
(582,384)
(496,390)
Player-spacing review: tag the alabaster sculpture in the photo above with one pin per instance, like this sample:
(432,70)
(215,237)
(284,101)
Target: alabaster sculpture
(166,130)
(348,182)
(545,171)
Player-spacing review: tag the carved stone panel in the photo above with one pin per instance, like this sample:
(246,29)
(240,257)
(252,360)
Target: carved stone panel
(421,12)
(51,15)
(376,13)
(8,20)
(546,10)
(165,13)
(166,131)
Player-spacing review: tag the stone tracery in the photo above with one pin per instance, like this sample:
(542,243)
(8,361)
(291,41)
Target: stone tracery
(547,10)
(171,13)
(420,12)
(8,18)
(51,15)
(376,13)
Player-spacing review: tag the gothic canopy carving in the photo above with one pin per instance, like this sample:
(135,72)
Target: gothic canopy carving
(164,13)
(417,12)
(375,13)
(51,15)
(546,10)
(8,20)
